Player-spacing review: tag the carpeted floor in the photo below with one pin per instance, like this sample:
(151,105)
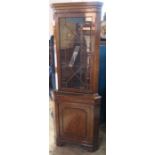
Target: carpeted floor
(72,149)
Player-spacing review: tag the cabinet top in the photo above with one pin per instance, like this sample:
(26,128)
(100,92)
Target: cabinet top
(76,5)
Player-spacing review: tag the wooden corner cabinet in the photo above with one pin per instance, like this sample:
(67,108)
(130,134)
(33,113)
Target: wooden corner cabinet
(77,103)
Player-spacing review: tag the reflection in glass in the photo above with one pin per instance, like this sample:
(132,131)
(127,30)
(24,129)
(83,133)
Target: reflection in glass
(75,52)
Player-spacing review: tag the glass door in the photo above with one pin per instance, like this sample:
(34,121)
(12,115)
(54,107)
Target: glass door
(76,47)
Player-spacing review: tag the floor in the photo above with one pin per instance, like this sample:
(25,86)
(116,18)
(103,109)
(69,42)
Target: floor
(72,149)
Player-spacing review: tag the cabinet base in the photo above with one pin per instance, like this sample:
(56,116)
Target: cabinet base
(77,119)
(89,148)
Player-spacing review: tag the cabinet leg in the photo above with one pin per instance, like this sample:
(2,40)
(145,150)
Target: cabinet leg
(59,143)
(91,148)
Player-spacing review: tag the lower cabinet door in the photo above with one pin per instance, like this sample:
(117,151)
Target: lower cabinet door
(75,121)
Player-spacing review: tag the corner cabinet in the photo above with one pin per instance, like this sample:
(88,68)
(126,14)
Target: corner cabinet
(77,103)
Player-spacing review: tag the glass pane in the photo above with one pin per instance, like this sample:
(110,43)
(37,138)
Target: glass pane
(76,37)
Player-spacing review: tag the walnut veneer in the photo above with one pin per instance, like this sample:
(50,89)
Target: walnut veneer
(77,103)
